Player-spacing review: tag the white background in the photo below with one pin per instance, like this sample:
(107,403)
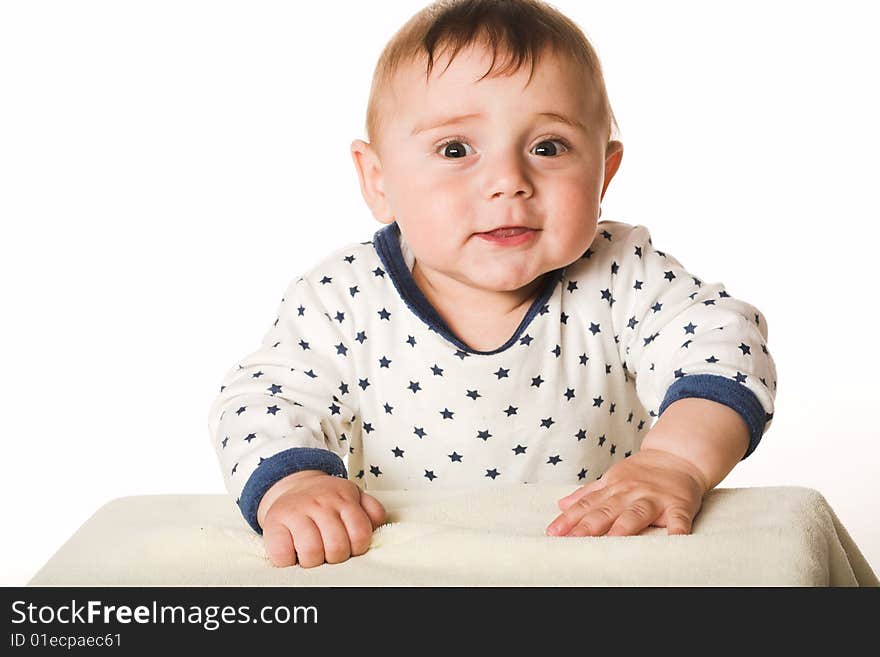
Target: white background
(166,168)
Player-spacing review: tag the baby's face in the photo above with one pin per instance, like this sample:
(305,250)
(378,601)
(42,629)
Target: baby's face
(510,164)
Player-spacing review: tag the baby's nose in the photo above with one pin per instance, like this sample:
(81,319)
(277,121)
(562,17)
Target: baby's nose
(510,181)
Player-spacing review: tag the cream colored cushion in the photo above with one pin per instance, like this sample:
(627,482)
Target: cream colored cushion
(773,536)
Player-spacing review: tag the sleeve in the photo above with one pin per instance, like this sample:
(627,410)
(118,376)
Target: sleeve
(287,406)
(680,337)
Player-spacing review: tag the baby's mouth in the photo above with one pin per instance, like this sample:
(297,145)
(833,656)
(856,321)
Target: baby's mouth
(509,236)
(506,232)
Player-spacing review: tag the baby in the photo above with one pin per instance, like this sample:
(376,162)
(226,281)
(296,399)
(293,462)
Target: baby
(494,330)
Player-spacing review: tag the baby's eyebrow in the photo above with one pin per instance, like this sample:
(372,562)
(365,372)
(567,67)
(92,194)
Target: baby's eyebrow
(450,120)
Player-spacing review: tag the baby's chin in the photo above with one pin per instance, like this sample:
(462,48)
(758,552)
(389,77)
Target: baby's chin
(505,282)
(524,277)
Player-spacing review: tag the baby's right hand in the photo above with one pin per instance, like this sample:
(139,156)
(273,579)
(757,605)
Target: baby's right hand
(311,517)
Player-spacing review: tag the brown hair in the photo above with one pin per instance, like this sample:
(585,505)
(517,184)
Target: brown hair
(523,29)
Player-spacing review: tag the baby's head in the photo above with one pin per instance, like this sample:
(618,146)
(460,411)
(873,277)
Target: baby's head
(531,146)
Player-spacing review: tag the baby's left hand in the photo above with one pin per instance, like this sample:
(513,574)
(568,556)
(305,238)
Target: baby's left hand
(651,487)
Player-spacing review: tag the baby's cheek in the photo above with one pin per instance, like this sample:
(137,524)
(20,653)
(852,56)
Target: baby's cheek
(442,223)
(574,236)
(451,203)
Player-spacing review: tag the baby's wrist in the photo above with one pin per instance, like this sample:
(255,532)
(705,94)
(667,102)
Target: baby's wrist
(684,465)
(280,487)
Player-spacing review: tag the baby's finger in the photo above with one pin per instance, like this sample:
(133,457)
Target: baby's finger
(359,528)
(565,521)
(636,517)
(374,509)
(565,502)
(599,517)
(307,542)
(678,521)
(279,545)
(334,536)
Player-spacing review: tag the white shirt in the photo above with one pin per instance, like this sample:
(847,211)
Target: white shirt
(359,376)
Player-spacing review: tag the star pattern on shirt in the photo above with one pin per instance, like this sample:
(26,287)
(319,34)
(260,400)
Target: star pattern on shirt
(518,407)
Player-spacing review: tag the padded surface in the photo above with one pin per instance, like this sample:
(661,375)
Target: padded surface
(769,536)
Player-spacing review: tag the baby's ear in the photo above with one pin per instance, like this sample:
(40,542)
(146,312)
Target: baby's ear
(369,170)
(613,156)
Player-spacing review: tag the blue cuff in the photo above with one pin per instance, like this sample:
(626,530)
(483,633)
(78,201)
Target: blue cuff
(724,391)
(279,466)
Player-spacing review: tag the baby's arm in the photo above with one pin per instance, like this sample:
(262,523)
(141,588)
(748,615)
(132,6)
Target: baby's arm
(285,415)
(682,338)
(700,363)
(710,436)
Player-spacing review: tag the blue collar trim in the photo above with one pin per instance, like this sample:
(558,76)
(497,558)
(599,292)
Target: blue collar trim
(387,245)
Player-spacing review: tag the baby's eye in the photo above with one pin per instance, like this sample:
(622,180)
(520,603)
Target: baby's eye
(456,148)
(452,147)
(555,151)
